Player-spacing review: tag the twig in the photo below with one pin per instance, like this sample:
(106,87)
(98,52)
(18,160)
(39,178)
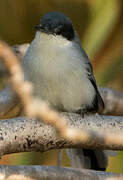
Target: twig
(55,173)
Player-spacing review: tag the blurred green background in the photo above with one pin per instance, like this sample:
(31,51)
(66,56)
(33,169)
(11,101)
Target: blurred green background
(100,26)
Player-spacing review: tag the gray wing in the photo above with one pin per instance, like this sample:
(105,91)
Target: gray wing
(83,158)
(98,103)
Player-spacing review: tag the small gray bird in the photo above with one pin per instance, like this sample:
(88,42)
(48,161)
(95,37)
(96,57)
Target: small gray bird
(62,75)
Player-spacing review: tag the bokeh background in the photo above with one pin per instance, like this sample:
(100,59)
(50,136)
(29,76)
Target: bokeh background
(100,27)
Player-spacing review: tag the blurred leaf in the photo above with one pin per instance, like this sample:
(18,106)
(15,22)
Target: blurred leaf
(101,26)
(115,163)
(111,72)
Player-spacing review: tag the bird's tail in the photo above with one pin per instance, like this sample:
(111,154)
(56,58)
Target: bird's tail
(88,159)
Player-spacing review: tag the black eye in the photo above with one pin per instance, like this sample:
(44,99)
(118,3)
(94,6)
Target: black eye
(59,32)
(68,32)
(65,30)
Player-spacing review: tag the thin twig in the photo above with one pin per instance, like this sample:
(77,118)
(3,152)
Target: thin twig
(55,173)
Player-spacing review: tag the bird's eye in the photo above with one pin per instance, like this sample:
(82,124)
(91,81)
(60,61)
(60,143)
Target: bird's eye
(58,32)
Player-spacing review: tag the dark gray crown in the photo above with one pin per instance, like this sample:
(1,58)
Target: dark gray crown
(56,23)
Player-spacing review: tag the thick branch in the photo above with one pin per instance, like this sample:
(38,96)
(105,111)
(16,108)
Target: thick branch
(23,135)
(55,173)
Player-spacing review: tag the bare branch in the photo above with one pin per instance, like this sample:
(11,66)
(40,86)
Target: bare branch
(113,102)
(24,135)
(55,173)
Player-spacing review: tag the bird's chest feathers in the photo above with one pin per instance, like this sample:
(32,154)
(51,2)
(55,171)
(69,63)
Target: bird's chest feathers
(50,58)
(52,75)
(56,74)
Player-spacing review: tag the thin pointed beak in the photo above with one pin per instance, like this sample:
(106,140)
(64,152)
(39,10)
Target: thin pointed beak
(38,27)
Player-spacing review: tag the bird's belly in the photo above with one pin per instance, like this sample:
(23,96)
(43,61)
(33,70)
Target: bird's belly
(65,93)
(65,86)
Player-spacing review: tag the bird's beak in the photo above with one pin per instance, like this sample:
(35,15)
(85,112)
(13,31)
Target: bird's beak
(38,27)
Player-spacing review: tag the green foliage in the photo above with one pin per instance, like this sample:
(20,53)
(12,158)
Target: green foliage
(103,19)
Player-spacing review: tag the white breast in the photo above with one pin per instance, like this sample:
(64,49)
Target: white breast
(57,72)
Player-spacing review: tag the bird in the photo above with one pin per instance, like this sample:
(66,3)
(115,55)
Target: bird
(62,75)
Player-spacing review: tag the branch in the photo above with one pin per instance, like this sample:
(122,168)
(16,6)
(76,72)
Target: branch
(24,135)
(55,173)
(113,101)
